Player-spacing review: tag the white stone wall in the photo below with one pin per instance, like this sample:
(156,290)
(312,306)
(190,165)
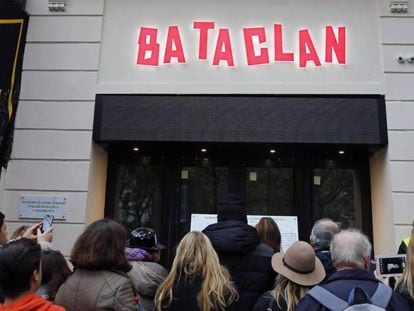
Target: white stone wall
(53,148)
(398,39)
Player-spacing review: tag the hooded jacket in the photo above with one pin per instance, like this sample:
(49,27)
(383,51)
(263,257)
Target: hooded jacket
(31,302)
(147,277)
(248,261)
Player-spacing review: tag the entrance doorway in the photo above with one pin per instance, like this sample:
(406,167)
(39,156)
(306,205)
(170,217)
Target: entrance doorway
(160,185)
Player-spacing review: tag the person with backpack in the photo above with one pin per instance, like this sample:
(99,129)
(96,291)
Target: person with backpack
(352,286)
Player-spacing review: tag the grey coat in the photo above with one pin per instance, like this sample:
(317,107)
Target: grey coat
(147,277)
(89,290)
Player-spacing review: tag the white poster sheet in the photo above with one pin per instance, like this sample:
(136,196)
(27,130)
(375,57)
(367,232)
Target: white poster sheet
(288,225)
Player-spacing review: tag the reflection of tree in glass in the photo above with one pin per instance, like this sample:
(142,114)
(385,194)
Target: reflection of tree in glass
(271,193)
(334,197)
(206,186)
(139,190)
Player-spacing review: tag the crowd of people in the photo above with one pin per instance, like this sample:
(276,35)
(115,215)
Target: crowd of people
(230,265)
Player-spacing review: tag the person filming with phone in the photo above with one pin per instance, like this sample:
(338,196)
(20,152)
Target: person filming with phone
(39,232)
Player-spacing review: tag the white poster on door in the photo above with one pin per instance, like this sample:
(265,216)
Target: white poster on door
(288,225)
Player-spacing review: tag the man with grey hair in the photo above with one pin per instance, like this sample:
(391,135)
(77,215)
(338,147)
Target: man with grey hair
(351,253)
(321,236)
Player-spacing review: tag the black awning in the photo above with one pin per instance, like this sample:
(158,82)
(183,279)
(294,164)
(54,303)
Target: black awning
(314,119)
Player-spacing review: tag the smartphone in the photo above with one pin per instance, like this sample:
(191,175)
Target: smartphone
(391,265)
(46,222)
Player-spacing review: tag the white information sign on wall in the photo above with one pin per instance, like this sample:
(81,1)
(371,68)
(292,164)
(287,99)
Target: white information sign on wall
(39,206)
(288,225)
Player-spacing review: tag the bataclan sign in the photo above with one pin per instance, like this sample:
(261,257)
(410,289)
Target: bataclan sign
(256,53)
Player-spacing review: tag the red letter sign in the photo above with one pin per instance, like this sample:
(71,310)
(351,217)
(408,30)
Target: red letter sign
(279,54)
(204,27)
(152,46)
(253,59)
(336,45)
(173,39)
(306,43)
(226,54)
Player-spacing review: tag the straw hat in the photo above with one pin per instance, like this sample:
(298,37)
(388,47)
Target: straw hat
(299,264)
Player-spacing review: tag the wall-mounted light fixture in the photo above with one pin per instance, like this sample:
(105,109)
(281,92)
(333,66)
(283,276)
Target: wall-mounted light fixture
(57,5)
(399,6)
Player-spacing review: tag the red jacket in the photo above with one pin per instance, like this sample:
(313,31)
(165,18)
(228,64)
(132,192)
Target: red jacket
(31,302)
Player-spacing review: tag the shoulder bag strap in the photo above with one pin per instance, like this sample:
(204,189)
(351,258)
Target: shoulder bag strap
(382,296)
(327,299)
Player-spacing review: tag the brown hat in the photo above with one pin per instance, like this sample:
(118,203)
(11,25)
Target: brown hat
(299,264)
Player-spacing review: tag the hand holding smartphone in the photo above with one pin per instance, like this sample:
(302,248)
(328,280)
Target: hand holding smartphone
(47,222)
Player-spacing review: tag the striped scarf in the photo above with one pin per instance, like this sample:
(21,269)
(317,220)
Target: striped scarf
(138,254)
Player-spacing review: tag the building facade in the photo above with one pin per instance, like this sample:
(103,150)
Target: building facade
(149,112)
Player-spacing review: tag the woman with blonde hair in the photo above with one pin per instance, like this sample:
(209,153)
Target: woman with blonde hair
(298,270)
(269,233)
(197,281)
(405,284)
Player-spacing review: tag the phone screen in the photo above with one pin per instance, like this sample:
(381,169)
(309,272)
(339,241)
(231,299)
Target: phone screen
(47,222)
(391,265)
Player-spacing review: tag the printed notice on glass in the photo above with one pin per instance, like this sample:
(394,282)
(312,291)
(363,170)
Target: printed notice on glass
(39,206)
(288,225)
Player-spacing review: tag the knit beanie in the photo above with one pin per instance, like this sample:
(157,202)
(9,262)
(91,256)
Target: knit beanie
(231,207)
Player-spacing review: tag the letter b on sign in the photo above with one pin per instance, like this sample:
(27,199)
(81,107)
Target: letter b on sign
(147,44)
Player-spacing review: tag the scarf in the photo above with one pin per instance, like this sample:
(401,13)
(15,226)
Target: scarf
(139,254)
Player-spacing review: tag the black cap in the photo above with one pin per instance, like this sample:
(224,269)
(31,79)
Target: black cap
(143,238)
(231,207)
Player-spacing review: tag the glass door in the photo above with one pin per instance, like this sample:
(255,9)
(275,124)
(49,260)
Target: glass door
(138,197)
(337,195)
(201,189)
(269,191)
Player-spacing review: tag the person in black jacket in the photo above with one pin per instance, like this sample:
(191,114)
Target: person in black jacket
(197,281)
(321,236)
(241,252)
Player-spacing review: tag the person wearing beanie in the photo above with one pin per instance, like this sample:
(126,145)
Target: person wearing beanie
(241,252)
